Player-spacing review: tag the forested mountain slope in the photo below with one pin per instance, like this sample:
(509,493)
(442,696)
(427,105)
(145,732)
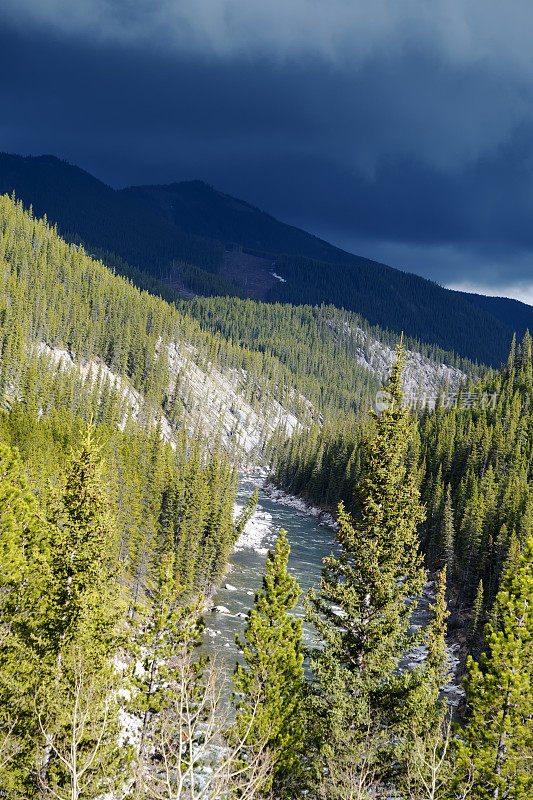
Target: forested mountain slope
(80,346)
(478,478)
(334,353)
(87,210)
(197,208)
(167,394)
(315,272)
(176,234)
(65,315)
(474,456)
(399,301)
(293,364)
(513,313)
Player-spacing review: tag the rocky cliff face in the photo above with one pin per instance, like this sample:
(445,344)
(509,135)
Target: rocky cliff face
(214,403)
(211,403)
(422,377)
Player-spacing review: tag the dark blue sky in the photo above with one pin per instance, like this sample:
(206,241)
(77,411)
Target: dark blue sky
(400,130)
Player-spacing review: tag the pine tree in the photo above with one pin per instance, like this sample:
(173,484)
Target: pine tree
(268,686)
(167,630)
(512,354)
(497,742)
(83,619)
(429,766)
(448,533)
(476,614)
(84,591)
(512,559)
(246,513)
(363,608)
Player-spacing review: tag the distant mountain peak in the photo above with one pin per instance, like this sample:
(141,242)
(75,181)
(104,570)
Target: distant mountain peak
(176,233)
(48,158)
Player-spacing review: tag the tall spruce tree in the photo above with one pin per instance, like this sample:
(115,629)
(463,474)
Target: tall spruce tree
(497,742)
(83,623)
(24,548)
(268,686)
(448,533)
(476,616)
(83,587)
(362,612)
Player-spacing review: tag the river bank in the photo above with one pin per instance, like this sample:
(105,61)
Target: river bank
(310,533)
(299,504)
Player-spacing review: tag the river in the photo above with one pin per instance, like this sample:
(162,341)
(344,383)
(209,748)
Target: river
(310,540)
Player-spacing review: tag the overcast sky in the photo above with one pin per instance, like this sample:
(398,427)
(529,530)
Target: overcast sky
(402,131)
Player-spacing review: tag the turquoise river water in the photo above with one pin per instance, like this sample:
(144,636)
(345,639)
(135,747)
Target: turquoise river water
(310,540)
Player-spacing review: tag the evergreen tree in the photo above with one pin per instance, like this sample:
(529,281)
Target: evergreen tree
(363,608)
(436,661)
(84,591)
(83,618)
(246,513)
(61,628)
(497,742)
(476,614)
(167,630)
(429,766)
(268,686)
(448,533)
(24,547)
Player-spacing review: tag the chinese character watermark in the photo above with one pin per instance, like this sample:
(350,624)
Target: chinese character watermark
(422,401)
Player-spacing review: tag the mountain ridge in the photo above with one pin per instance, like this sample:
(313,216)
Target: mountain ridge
(180,200)
(131,225)
(69,328)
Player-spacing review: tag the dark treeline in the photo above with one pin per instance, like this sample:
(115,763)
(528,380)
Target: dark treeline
(321,464)
(398,301)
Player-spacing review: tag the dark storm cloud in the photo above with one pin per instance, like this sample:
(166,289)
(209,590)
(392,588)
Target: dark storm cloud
(403,134)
